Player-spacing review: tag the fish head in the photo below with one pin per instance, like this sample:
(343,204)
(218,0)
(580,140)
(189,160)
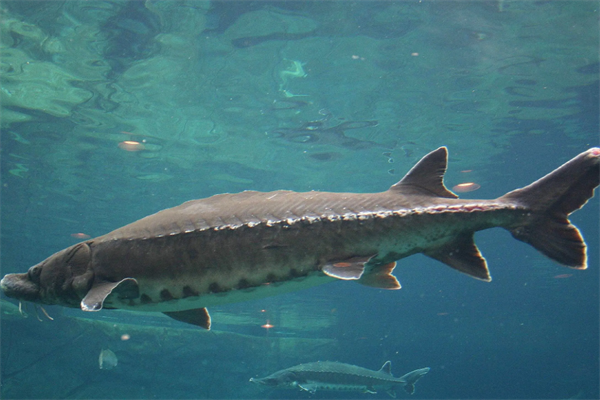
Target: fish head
(284,378)
(62,279)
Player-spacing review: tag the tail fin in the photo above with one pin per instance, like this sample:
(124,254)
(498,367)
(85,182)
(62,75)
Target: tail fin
(551,200)
(412,377)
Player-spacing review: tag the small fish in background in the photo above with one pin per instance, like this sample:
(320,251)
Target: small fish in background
(80,235)
(563,276)
(107,359)
(466,187)
(330,375)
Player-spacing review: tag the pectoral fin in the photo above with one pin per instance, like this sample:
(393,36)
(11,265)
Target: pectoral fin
(124,289)
(198,316)
(307,387)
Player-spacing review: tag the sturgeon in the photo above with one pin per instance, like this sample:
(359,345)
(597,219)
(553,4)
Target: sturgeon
(235,247)
(329,375)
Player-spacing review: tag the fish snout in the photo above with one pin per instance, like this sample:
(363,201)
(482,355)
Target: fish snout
(260,381)
(18,286)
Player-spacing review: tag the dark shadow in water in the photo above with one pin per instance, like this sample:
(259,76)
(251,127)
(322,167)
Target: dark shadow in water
(317,132)
(131,35)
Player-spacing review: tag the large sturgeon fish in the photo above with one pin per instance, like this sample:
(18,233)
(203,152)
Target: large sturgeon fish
(329,375)
(234,247)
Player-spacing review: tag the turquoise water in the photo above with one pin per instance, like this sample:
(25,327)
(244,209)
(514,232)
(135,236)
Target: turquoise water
(336,96)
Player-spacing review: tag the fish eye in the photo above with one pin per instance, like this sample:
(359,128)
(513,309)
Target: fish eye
(34,273)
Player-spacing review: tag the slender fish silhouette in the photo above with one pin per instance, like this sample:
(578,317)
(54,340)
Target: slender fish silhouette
(328,375)
(235,247)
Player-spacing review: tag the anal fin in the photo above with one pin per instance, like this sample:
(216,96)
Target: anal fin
(197,316)
(462,254)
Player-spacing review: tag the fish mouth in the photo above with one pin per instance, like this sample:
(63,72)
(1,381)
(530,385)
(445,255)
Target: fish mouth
(18,286)
(258,380)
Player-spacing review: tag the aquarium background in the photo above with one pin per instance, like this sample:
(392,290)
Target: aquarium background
(324,95)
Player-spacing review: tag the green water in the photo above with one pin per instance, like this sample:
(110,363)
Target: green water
(227,96)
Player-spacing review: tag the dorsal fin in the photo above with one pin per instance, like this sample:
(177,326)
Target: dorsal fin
(426,178)
(386,368)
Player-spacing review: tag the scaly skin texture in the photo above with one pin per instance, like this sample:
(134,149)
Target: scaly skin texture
(231,257)
(235,247)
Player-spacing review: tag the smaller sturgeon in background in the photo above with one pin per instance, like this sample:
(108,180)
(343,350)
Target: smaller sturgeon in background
(329,375)
(237,247)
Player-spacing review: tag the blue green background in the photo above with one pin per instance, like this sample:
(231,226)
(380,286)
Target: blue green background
(301,95)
